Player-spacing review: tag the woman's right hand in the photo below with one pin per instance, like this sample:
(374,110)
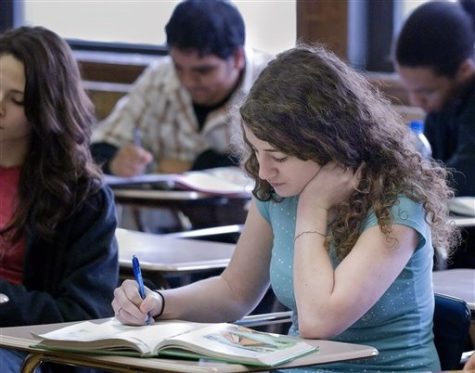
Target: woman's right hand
(130,308)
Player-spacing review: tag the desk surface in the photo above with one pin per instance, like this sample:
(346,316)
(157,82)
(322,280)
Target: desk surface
(167,254)
(21,338)
(463,221)
(173,195)
(172,198)
(459,283)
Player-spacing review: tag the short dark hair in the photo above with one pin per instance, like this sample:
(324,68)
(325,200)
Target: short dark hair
(208,26)
(439,35)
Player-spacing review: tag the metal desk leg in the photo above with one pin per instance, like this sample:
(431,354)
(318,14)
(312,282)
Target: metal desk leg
(31,362)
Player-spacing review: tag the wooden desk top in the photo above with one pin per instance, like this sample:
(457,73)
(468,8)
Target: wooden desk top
(459,283)
(167,254)
(21,338)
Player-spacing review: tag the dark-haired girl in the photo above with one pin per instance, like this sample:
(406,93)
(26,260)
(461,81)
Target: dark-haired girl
(58,256)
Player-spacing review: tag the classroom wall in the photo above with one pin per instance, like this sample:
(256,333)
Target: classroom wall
(143,21)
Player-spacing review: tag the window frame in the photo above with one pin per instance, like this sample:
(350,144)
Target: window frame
(7,14)
(370,34)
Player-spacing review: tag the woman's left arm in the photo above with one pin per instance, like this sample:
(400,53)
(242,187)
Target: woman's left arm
(330,300)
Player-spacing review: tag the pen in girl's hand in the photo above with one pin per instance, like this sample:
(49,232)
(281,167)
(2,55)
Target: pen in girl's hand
(138,277)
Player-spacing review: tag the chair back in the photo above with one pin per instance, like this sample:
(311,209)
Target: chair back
(451,326)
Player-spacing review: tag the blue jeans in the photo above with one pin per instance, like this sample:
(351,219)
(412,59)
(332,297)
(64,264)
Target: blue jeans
(11,360)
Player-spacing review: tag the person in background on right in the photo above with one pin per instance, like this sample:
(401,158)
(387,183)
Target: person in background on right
(434,56)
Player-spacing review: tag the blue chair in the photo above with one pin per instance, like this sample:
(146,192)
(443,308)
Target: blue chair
(451,326)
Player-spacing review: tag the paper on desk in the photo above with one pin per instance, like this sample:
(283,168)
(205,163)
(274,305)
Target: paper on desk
(220,180)
(463,206)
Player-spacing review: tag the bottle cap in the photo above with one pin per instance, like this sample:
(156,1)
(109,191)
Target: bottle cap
(417,125)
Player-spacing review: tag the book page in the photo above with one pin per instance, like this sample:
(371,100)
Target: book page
(239,344)
(209,183)
(112,335)
(227,342)
(233,175)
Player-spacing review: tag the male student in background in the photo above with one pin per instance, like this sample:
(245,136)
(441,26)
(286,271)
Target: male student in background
(434,57)
(178,114)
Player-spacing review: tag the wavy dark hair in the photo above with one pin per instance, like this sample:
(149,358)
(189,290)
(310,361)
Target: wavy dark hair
(307,103)
(58,173)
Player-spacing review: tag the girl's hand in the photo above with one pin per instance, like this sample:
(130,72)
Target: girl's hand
(331,185)
(130,308)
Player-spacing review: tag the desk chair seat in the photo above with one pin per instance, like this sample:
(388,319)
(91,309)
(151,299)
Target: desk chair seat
(451,330)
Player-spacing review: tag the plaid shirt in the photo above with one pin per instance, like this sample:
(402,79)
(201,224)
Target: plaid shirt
(162,109)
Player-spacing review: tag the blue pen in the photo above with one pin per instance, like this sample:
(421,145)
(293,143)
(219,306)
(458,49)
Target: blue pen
(138,277)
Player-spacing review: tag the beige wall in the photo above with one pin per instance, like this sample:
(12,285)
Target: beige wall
(271,25)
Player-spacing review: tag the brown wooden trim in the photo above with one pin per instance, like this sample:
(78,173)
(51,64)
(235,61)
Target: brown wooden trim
(112,67)
(324,21)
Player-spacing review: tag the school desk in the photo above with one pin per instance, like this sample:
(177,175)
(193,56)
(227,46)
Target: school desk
(202,209)
(463,221)
(212,197)
(20,338)
(160,255)
(458,283)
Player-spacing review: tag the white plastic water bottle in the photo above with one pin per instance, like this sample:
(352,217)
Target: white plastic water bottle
(420,140)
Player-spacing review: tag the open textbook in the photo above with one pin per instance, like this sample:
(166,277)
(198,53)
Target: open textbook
(220,180)
(223,341)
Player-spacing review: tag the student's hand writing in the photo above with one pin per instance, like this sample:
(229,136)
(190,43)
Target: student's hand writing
(130,160)
(130,308)
(331,185)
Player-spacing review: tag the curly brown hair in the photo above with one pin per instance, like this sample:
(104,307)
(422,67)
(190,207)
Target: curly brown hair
(58,173)
(307,103)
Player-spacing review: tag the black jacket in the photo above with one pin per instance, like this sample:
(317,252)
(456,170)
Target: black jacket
(451,133)
(71,278)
